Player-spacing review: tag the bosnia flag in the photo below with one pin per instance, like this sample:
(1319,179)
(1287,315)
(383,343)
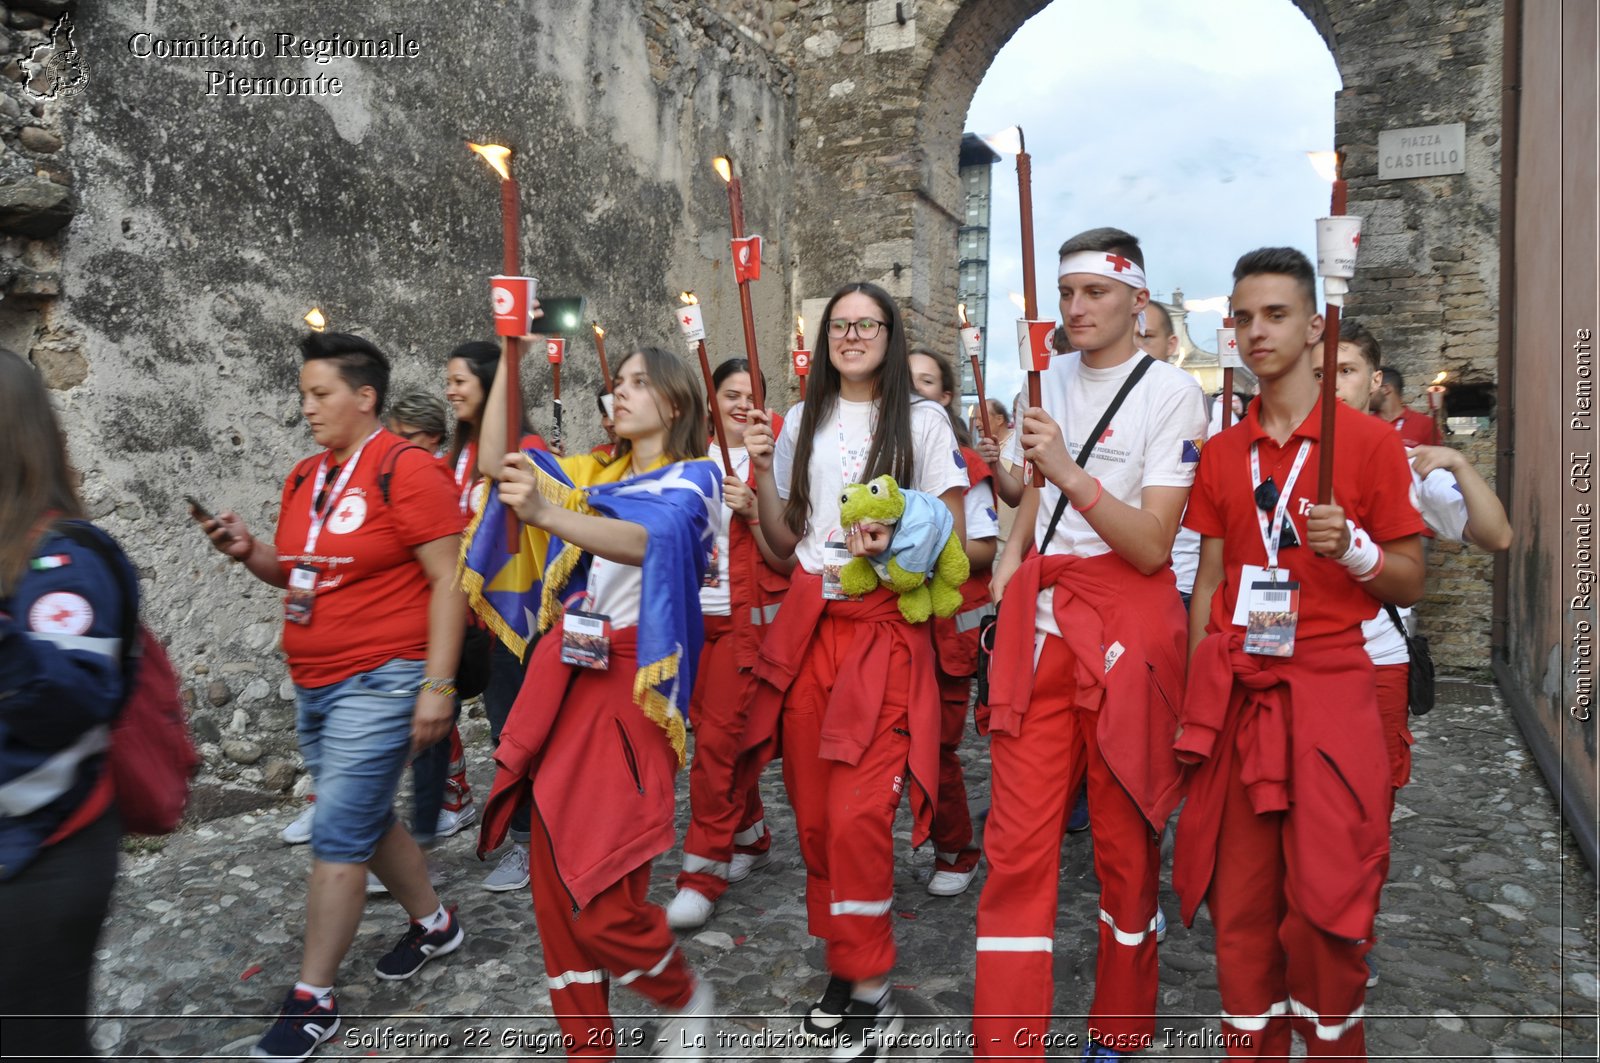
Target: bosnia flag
(520,592)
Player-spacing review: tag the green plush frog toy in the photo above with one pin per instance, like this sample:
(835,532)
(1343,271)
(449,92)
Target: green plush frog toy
(925,564)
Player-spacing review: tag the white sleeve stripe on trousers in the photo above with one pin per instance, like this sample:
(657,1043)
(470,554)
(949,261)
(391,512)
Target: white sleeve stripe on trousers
(860,907)
(652,972)
(1255,1023)
(1124,937)
(1327,1033)
(1005,944)
(566,978)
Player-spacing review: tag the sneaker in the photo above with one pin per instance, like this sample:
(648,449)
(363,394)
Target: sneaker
(868,1030)
(1079,819)
(1161,924)
(1095,1050)
(452,822)
(951,883)
(299,831)
(303,1024)
(418,946)
(511,873)
(1372,970)
(742,864)
(686,1034)
(689,909)
(822,1019)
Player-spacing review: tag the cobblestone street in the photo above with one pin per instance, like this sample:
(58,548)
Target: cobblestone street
(1487,938)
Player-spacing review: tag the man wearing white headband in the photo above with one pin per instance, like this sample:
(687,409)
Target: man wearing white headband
(1088,661)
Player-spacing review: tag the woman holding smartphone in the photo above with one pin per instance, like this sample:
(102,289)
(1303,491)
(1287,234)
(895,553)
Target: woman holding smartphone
(365,547)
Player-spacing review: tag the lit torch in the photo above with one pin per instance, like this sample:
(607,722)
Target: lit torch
(600,349)
(746,267)
(499,157)
(800,357)
(1436,392)
(315,320)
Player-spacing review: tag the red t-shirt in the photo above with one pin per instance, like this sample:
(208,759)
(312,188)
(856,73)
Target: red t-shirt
(464,471)
(1371,480)
(1415,429)
(372,594)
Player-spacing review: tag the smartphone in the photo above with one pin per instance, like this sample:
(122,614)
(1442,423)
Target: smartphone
(562,316)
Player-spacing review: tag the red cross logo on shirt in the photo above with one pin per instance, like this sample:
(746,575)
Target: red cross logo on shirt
(346,513)
(61,616)
(1118,263)
(1106,434)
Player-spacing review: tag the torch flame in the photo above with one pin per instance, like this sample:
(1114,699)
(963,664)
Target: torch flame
(315,319)
(1441,378)
(598,331)
(1022,304)
(1326,163)
(724,169)
(688,298)
(1007,141)
(961,312)
(495,155)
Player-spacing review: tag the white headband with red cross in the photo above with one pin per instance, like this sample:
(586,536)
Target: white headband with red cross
(1104,264)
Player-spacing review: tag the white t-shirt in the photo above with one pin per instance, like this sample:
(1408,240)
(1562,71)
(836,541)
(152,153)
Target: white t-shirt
(616,591)
(1153,441)
(839,456)
(983,520)
(717,601)
(1444,511)
(1186,558)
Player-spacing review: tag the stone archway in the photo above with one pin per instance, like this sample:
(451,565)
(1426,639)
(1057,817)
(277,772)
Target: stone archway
(882,92)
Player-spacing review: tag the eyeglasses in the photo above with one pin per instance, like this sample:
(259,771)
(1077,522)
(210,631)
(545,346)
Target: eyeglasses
(412,435)
(1267,496)
(866,328)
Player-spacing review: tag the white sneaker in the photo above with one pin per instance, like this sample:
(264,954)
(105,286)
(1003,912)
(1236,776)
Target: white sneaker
(451,823)
(686,1034)
(742,864)
(689,909)
(1161,924)
(299,831)
(512,872)
(951,883)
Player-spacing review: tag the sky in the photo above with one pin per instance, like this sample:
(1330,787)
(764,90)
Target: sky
(1186,124)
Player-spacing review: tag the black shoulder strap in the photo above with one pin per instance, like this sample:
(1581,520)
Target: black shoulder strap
(1394,618)
(386,467)
(1094,437)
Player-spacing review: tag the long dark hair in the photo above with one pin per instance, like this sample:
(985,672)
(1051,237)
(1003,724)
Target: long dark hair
(482,358)
(675,385)
(891,444)
(948,381)
(36,477)
(719,376)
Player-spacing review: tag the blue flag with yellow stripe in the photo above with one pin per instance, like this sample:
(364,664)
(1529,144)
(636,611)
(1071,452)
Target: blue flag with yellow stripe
(521,589)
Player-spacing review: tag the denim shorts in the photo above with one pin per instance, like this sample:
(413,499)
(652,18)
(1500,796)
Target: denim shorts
(355,736)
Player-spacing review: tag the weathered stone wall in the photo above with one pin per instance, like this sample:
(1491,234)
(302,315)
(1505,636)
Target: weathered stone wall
(205,226)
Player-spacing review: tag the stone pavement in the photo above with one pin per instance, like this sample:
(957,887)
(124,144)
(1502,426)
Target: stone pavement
(1487,943)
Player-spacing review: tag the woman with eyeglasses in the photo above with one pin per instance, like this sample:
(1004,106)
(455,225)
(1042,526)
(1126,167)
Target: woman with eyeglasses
(856,683)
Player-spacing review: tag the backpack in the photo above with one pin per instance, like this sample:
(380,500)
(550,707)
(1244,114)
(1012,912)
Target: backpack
(152,757)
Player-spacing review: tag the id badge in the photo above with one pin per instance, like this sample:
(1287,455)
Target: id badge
(1272,612)
(713,576)
(586,640)
(302,594)
(835,555)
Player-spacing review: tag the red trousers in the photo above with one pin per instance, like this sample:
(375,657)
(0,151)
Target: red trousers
(1035,776)
(952,820)
(726,815)
(1394,692)
(1275,971)
(844,813)
(620,936)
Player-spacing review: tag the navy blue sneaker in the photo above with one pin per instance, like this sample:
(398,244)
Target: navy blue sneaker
(419,946)
(303,1024)
(1095,1050)
(1079,820)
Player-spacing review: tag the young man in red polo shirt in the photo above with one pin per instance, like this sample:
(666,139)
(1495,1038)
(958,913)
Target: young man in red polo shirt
(1285,836)
(1388,404)
(1088,662)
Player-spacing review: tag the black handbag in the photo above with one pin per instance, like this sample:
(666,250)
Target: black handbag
(472,673)
(1420,693)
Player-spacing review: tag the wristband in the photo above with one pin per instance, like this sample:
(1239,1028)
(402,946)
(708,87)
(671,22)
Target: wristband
(1370,576)
(1099,489)
(447,687)
(1364,557)
(753,523)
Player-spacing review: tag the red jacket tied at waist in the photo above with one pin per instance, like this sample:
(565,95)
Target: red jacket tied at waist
(863,677)
(1127,632)
(1310,743)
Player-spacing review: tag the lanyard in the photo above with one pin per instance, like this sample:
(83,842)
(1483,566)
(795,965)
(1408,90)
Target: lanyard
(319,519)
(1270,534)
(845,475)
(463,480)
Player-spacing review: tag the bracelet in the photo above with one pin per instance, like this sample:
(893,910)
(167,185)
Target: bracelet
(1099,489)
(753,523)
(447,687)
(1363,557)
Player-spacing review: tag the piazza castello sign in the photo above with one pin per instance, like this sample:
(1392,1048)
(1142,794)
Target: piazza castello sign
(1426,151)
